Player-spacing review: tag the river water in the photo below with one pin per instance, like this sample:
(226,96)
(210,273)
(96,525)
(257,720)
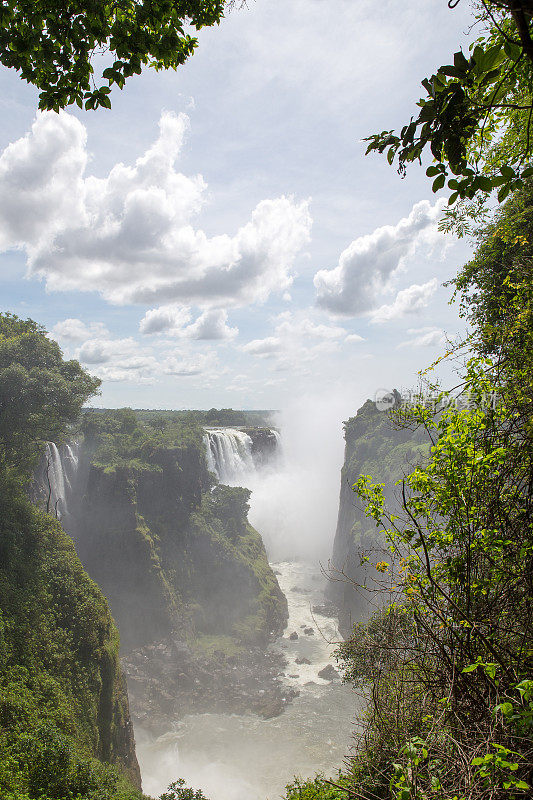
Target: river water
(233,757)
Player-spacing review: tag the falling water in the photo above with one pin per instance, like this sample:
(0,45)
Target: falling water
(56,475)
(229,455)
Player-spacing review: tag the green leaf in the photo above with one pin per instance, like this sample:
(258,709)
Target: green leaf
(508,172)
(438,183)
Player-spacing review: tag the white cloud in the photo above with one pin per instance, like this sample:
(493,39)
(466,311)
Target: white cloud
(368,266)
(297,339)
(101,351)
(263,348)
(41,182)
(407,301)
(75,330)
(212,324)
(172,320)
(130,235)
(353,337)
(164,319)
(191,365)
(424,337)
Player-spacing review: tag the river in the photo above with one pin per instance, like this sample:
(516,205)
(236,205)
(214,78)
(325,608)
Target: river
(233,757)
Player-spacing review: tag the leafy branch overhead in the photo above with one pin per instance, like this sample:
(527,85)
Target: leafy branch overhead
(55,46)
(477,113)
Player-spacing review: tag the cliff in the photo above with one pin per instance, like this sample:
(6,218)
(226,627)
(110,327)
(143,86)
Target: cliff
(172,550)
(374,446)
(65,728)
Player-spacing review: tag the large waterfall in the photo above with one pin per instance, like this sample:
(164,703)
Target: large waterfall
(234,456)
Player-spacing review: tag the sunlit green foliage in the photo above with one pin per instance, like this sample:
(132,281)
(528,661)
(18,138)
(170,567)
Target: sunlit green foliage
(475,118)
(449,660)
(40,393)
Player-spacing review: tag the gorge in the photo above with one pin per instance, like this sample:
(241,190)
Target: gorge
(224,658)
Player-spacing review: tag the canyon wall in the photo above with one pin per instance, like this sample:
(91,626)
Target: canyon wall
(374,446)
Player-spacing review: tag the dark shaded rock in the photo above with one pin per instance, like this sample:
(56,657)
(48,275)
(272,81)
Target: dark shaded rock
(170,679)
(293,636)
(309,631)
(326,610)
(302,660)
(329,673)
(300,590)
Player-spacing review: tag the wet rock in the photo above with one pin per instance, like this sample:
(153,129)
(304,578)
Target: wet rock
(170,679)
(326,610)
(309,631)
(329,673)
(293,636)
(302,660)
(300,590)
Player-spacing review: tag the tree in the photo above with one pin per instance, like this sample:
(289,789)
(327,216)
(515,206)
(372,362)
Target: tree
(449,660)
(40,392)
(476,116)
(55,46)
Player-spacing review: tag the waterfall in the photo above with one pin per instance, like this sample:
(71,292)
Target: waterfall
(56,475)
(229,454)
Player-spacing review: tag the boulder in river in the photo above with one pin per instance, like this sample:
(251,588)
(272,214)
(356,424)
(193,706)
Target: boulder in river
(309,631)
(293,636)
(302,660)
(329,673)
(326,610)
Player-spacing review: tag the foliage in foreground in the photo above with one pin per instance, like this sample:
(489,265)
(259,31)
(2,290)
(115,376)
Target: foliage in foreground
(475,118)
(447,666)
(55,46)
(63,706)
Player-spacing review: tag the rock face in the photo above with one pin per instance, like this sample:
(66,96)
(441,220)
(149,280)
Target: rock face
(373,447)
(265,442)
(170,679)
(172,552)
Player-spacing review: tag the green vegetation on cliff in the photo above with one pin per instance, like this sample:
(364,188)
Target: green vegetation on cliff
(171,550)
(375,445)
(446,665)
(64,719)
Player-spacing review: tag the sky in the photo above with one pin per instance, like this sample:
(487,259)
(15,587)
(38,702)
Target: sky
(218,238)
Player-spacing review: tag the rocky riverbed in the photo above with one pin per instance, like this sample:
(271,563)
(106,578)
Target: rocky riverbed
(170,679)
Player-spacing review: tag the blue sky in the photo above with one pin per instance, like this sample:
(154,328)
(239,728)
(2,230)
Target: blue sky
(218,238)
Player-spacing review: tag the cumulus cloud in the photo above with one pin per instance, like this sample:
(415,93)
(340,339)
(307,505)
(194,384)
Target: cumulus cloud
(407,301)
(368,266)
(101,351)
(424,337)
(192,365)
(172,320)
(74,330)
(164,319)
(127,360)
(297,339)
(263,348)
(353,337)
(130,235)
